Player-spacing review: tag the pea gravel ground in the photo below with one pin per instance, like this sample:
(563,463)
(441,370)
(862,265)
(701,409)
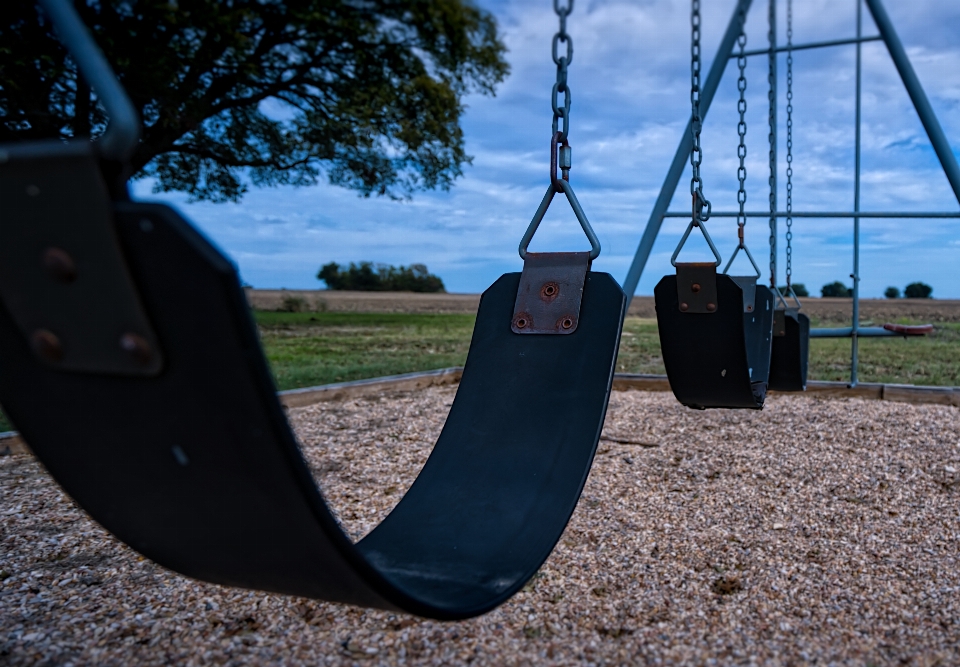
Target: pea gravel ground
(815,532)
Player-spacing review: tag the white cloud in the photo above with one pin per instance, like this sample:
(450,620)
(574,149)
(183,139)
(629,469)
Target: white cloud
(630,85)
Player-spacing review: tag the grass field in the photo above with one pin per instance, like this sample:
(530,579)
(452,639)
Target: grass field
(307,349)
(929,360)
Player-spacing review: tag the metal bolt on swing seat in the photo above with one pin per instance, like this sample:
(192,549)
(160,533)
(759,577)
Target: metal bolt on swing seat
(59,265)
(549,291)
(137,347)
(46,344)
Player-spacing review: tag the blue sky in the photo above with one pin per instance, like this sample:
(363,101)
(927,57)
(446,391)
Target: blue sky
(630,85)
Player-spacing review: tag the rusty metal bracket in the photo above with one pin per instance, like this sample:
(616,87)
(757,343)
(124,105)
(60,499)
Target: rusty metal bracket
(697,287)
(779,322)
(780,316)
(749,286)
(551,288)
(63,276)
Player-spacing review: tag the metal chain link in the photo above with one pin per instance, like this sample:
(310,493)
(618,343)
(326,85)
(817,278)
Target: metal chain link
(701,206)
(562,62)
(742,127)
(789,236)
(742,148)
(560,152)
(696,122)
(772,138)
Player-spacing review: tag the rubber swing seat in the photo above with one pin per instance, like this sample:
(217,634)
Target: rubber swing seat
(197,469)
(719,359)
(790,354)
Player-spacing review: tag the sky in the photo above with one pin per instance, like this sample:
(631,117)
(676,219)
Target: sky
(630,88)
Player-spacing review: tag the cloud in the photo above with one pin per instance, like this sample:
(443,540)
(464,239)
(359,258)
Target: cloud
(630,91)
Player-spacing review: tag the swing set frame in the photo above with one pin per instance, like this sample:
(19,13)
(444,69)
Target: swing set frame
(726,52)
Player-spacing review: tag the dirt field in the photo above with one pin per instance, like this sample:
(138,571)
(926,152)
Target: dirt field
(834,310)
(365,302)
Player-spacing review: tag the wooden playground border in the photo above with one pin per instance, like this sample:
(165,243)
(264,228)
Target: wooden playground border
(12,443)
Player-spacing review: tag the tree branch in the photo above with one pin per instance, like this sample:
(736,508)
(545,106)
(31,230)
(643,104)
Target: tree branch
(229,161)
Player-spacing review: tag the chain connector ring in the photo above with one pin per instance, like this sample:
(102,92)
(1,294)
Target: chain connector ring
(561,156)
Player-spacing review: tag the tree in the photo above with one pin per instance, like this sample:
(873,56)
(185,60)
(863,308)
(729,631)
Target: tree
(836,288)
(892,293)
(265,92)
(917,291)
(380,278)
(798,288)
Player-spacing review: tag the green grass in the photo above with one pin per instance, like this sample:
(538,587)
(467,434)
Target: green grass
(927,360)
(307,349)
(640,347)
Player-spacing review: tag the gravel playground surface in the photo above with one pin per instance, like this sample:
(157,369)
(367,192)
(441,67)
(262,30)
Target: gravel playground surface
(816,531)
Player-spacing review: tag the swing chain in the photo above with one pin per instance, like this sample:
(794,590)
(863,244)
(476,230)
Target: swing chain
(742,149)
(701,205)
(742,128)
(789,235)
(560,151)
(562,62)
(696,122)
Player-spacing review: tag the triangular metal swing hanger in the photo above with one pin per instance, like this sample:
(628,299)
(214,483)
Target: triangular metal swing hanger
(560,185)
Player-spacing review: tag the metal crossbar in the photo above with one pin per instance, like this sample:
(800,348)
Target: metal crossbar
(848,332)
(810,45)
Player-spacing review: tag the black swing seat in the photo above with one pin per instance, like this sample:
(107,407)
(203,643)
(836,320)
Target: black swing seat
(720,358)
(190,460)
(790,351)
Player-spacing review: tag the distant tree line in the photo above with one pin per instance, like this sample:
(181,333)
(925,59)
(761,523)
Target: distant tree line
(370,277)
(835,288)
(798,288)
(912,291)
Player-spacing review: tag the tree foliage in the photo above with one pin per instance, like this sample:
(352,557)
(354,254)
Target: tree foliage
(380,278)
(798,288)
(265,92)
(892,292)
(835,288)
(917,291)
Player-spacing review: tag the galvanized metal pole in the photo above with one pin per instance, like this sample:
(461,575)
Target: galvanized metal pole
(772,99)
(920,102)
(683,153)
(855,327)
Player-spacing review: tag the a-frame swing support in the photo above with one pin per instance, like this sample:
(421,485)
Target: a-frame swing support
(921,104)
